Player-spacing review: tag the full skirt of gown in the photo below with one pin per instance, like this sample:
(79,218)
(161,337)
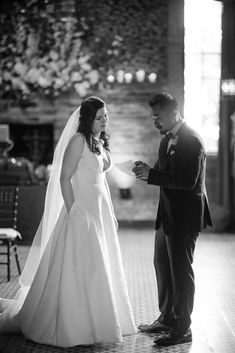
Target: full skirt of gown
(79,294)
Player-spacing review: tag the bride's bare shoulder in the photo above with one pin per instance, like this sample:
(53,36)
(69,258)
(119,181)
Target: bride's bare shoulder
(79,135)
(77,142)
(78,138)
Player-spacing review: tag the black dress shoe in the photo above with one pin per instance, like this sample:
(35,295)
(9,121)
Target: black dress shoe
(155,327)
(173,337)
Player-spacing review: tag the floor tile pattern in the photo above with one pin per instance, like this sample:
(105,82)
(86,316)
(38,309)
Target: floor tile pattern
(214,312)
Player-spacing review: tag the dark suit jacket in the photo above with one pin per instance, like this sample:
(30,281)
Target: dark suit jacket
(180,173)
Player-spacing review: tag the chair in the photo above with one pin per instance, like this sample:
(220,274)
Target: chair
(8,219)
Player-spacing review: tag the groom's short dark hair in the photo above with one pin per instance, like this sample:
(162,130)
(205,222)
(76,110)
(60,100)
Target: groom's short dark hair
(164,100)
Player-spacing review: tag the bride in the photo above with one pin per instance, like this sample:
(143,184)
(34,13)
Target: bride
(73,289)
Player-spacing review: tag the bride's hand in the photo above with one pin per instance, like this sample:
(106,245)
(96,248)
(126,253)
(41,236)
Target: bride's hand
(70,208)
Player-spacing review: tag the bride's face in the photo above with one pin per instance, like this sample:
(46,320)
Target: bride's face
(101,121)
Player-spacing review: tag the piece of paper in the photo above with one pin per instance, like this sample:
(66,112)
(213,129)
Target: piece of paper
(126,167)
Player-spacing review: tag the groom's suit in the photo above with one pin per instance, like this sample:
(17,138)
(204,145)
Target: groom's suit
(182,213)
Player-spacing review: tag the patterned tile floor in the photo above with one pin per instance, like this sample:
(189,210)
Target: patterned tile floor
(214,313)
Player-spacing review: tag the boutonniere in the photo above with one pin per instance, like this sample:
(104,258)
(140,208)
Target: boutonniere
(172,152)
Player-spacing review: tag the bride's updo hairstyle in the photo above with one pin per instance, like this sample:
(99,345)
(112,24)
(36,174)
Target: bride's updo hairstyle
(88,111)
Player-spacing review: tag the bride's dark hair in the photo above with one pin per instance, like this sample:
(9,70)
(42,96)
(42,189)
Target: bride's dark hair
(88,110)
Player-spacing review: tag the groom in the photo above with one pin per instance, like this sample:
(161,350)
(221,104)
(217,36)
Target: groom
(182,213)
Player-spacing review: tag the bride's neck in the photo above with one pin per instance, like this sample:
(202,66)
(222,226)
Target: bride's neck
(96,136)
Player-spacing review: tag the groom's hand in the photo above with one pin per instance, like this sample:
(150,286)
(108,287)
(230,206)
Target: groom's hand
(141,170)
(138,163)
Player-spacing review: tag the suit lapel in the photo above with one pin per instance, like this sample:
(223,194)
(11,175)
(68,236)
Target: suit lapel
(163,156)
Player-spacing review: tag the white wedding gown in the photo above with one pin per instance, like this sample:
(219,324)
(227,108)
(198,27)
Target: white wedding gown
(79,294)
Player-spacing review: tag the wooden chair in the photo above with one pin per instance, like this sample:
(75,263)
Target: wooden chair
(8,220)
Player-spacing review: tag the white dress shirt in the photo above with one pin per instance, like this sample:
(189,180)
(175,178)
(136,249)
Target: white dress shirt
(173,141)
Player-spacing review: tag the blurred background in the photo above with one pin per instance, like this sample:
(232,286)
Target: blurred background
(56,53)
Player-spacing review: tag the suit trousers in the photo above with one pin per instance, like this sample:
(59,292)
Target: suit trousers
(173,258)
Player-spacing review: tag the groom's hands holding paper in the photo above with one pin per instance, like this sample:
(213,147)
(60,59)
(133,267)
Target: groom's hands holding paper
(141,170)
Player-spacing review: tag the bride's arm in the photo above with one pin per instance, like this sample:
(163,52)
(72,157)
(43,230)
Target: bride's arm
(111,203)
(71,158)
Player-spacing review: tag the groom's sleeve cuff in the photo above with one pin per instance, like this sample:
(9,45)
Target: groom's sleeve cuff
(155,177)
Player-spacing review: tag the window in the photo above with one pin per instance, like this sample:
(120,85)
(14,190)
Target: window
(203,68)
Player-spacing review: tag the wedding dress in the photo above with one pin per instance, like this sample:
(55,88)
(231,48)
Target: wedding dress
(77,293)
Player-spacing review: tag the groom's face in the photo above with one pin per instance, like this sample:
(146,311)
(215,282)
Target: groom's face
(164,118)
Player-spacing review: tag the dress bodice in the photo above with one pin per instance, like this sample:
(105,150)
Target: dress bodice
(91,167)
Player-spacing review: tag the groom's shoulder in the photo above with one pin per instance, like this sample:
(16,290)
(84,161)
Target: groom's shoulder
(191,136)
(190,132)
